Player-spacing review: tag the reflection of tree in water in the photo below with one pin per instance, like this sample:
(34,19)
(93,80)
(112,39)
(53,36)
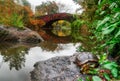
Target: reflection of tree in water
(14,55)
(50,46)
(61,28)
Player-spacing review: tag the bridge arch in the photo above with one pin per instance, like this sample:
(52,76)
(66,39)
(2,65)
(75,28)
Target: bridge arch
(47,28)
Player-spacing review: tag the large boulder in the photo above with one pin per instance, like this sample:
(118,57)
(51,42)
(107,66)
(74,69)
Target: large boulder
(57,69)
(12,34)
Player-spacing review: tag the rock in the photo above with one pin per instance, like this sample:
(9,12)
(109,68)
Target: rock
(57,69)
(12,34)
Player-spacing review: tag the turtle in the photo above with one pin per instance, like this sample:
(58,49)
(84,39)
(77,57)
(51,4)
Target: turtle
(86,61)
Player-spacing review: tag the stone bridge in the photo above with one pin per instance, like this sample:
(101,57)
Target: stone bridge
(45,31)
(48,19)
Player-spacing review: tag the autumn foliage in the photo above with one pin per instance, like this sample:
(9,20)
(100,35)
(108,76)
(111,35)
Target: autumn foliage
(36,22)
(9,10)
(14,14)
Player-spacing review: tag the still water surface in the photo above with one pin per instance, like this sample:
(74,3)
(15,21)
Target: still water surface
(17,60)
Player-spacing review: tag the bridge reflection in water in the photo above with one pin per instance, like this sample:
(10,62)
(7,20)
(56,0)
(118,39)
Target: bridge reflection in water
(57,27)
(17,60)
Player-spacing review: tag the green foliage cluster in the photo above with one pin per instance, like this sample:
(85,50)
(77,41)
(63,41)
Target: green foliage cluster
(75,27)
(16,20)
(49,7)
(108,71)
(10,14)
(61,28)
(109,65)
(104,28)
(107,26)
(14,14)
(26,3)
(105,34)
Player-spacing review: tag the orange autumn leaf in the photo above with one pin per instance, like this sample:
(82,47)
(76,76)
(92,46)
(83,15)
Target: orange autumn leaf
(37,22)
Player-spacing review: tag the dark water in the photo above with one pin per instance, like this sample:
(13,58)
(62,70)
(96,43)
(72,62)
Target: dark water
(17,60)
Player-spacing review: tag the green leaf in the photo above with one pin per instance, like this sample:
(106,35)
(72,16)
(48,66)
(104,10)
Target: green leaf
(110,65)
(112,42)
(117,34)
(103,12)
(107,76)
(117,14)
(80,79)
(114,72)
(103,21)
(103,57)
(109,29)
(88,79)
(112,5)
(96,78)
(101,3)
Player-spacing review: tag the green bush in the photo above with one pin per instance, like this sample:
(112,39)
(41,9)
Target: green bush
(75,29)
(108,27)
(10,14)
(16,20)
(105,30)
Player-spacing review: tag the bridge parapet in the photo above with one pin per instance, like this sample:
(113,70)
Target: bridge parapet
(55,17)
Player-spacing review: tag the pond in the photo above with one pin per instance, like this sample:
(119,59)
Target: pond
(17,60)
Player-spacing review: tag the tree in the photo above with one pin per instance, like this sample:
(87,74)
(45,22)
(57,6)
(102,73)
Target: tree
(26,3)
(89,7)
(49,7)
(14,14)
(62,7)
(15,55)
(10,13)
(23,2)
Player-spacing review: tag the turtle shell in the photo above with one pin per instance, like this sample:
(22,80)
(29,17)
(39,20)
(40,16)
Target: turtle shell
(86,61)
(84,58)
